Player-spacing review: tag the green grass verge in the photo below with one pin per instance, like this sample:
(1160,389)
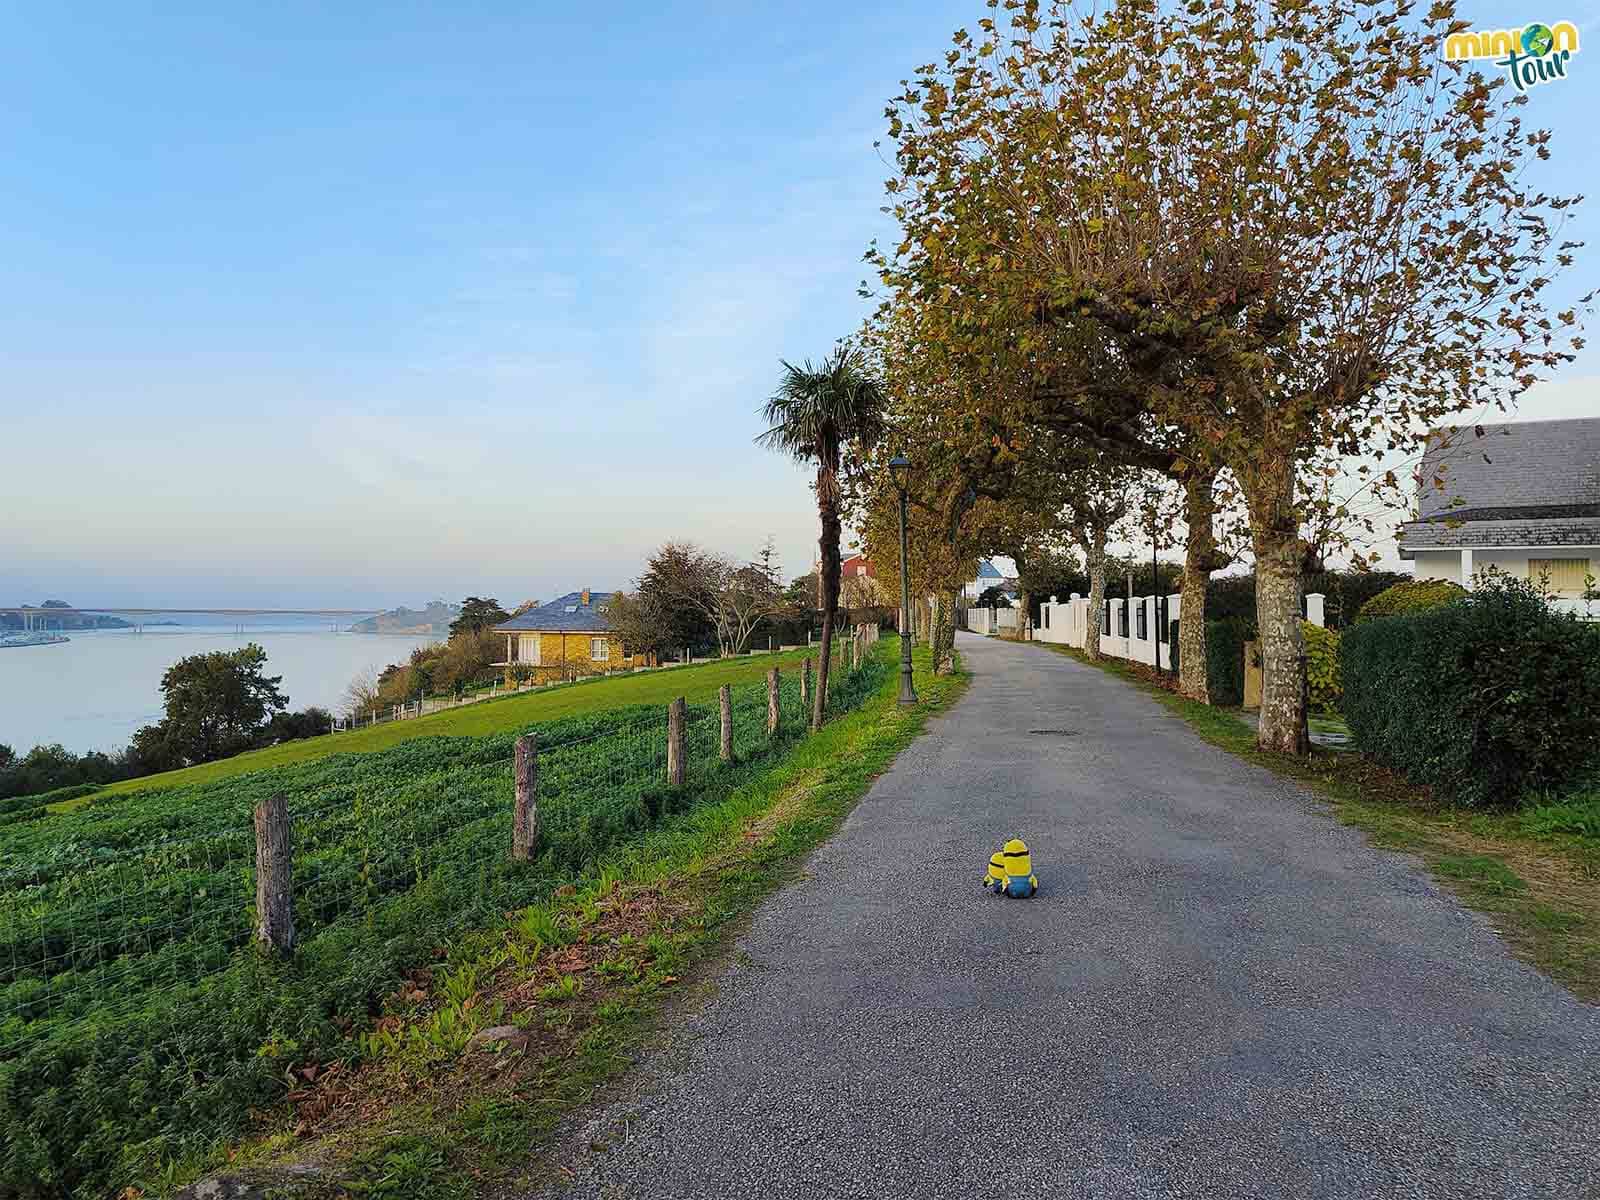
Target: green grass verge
(586,978)
(697,683)
(1536,870)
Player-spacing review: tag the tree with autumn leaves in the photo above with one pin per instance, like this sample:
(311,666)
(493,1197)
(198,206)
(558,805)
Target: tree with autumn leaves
(1217,240)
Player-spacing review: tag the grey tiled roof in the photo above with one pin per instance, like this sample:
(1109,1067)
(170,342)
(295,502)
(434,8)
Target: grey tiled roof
(1530,483)
(554,617)
(1439,535)
(1513,465)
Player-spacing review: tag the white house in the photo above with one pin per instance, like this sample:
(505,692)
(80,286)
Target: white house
(1522,498)
(988,576)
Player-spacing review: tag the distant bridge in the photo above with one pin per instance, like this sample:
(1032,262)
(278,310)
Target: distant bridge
(36,616)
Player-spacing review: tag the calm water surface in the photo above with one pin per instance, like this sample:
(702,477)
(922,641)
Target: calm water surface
(92,693)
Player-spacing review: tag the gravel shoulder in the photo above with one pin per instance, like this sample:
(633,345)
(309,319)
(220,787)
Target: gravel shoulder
(1218,991)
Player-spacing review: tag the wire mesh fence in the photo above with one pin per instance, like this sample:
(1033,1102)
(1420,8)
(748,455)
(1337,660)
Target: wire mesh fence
(148,900)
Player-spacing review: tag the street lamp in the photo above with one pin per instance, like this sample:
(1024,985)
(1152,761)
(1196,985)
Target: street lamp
(900,472)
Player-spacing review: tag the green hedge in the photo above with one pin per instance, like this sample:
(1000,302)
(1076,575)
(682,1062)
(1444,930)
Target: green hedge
(1345,592)
(39,799)
(1224,660)
(1484,699)
(1322,667)
(1414,595)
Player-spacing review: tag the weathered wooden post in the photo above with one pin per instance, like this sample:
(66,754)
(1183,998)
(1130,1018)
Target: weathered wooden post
(725,700)
(805,682)
(772,701)
(525,816)
(676,712)
(274,876)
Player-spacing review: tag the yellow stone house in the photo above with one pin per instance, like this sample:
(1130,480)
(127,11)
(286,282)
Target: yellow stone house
(565,639)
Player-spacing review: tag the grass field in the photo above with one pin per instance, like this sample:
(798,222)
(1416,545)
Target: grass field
(697,683)
(586,977)
(138,1023)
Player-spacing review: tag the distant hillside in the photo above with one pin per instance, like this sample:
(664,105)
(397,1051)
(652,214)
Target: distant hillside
(65,622)
(435,619)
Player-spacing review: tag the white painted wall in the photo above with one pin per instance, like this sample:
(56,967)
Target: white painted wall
(1446,564)
(1067,622)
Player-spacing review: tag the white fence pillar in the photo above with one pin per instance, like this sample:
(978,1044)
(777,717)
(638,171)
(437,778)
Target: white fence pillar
(1316,604)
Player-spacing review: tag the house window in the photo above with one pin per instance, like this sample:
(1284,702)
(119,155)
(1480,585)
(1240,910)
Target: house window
(1568,576)
(599,649)
(528,649)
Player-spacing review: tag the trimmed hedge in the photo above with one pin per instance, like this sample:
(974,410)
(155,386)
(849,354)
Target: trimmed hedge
(1224,660)
(39,799)
(1485,699)
(1345,592)
(1322,667)
(1415,595)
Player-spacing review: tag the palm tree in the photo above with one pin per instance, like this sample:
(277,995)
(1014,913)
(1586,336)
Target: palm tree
(814,413)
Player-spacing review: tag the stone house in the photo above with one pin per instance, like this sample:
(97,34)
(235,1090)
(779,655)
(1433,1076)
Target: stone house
(1520,498)
(565,639)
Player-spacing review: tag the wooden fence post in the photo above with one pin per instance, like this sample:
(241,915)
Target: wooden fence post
(725,700)
(525,816)
(274,876)
(805,681)
(772,701)
(676,712)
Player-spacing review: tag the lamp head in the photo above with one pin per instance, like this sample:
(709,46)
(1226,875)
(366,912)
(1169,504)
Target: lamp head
(900,470)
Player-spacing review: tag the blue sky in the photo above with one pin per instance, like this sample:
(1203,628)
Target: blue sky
(356,304)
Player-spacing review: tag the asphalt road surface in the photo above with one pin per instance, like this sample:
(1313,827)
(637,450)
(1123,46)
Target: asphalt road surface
(1219,991)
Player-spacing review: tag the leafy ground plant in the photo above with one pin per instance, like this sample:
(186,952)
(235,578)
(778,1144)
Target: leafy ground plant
(564,990)
(138,1025)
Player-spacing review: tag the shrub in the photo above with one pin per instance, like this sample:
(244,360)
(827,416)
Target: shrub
(1415,595)
(1224,660)
(54,796)
(1344,591)
(1322,667)
(1485,699)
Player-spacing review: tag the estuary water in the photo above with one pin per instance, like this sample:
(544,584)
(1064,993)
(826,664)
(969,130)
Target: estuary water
(92,693)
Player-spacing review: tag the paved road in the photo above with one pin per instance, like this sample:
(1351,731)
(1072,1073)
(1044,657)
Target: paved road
(1218,992)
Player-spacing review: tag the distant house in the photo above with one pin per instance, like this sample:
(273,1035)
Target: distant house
(565,638)
(988,576)
(858,583)
(1522,499)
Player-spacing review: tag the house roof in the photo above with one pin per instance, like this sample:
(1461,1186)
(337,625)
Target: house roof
(565,614)
(986,570)
(1531,483)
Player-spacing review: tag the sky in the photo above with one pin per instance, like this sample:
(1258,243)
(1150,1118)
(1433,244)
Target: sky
(357,305)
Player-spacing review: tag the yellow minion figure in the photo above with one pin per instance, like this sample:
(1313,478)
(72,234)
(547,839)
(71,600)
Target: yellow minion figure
(994,879)
(1010,871)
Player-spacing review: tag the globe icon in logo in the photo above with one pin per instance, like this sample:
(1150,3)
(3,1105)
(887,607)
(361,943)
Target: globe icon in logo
(1537,39)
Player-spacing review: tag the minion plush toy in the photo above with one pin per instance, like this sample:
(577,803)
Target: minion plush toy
(1010,871)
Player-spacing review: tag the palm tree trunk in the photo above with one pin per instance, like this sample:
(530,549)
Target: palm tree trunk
(828,544)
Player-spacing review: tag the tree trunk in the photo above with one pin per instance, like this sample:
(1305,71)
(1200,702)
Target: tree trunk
(1275,535)
(1025,616)
(828,544)
(1199,560)
(1095,553)
(944,635)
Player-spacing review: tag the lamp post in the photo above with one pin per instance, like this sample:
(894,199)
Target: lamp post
(899,470)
